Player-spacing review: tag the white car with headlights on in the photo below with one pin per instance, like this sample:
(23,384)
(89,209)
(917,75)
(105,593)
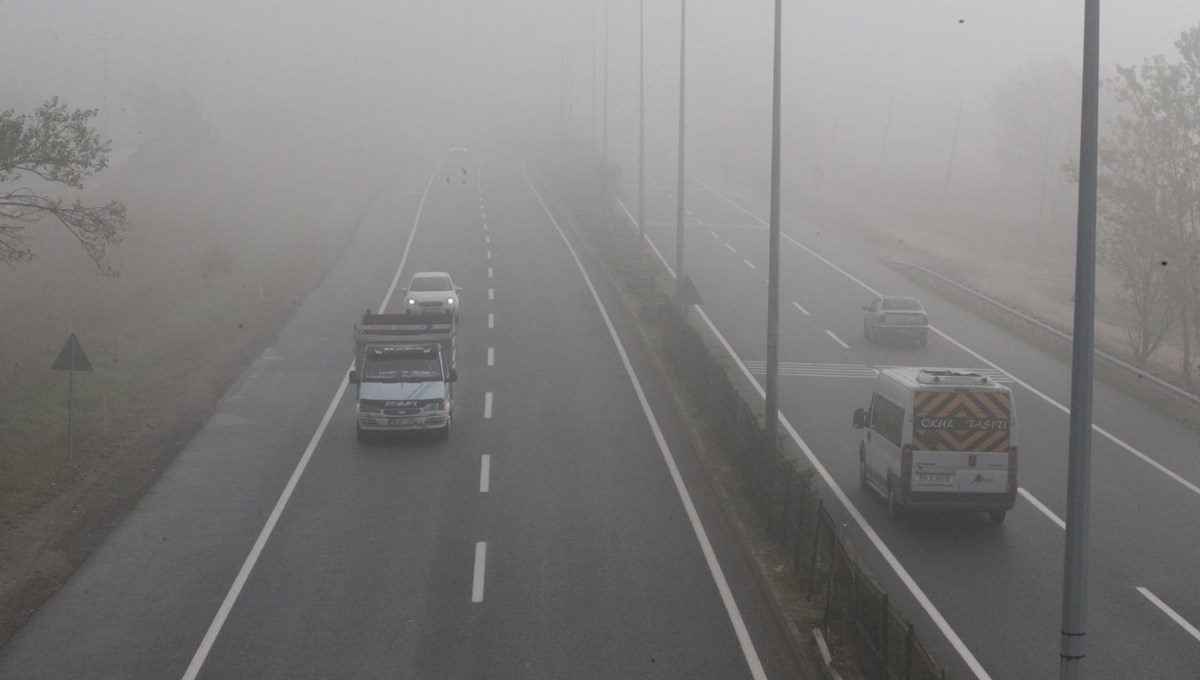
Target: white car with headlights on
(431,292)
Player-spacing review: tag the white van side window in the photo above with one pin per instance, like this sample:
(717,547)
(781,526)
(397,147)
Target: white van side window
(887,418)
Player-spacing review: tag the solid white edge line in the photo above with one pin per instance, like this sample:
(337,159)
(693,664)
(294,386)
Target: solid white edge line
(491,359)
(1042,507)
(235,590)
(922,599)
(1043,396)
(802,310)
(487,404)
(480,566)
(837,339)
(485,471)
(491,320)
(1183,623)
(731,608)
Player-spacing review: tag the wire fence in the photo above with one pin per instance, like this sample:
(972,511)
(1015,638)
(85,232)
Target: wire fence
(859,621)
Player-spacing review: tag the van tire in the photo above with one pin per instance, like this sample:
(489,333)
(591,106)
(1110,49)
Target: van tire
(895,509)
(996,517)
(362,435)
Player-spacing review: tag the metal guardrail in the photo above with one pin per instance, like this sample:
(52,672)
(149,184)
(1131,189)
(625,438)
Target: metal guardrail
(1160,384)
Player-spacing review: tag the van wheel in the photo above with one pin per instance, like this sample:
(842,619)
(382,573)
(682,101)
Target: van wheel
(997,516)
(362,435)
(444,433)
(895,510)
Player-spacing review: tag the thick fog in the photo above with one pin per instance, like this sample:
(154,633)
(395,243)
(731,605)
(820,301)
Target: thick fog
(898,101)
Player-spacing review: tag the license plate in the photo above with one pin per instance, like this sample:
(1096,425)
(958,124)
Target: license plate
(402,421)
(934,478)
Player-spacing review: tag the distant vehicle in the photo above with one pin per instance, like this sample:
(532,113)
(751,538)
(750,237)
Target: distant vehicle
(895,316)
(431,292)
(404,369)
(940,438)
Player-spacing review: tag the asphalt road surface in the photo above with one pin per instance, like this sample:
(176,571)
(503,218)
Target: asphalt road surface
(565,530)
(986,599)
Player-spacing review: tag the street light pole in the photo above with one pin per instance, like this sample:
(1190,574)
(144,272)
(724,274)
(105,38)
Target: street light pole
(604,116)
(680,273)
(1079,448)
(641,216)
(772,393)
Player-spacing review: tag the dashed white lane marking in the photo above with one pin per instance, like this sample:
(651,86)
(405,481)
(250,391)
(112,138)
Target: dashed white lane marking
(489,272)
(714,234)
(489,254)
(487,404)
(750,264)
(731,248)
(487,240)
(491,293)
(491,320)
(491,356)
(802,310)
(485,471)
(1183,623)
(484,215)
(477,582)
(1042,507)
(688,212)
(837,339)
(485,226)
(710,557)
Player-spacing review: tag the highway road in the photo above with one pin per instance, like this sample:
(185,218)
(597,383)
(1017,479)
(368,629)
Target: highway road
(566,529)
(986,599)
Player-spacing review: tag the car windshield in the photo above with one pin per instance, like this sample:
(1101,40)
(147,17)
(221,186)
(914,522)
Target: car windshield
(393,368)
(431,283)
(902,304)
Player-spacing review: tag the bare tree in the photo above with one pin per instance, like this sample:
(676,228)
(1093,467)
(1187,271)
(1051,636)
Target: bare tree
(57,146)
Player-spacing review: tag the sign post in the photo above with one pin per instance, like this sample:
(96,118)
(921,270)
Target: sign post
(70,359)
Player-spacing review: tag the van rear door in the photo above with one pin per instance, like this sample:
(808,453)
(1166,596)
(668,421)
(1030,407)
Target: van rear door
(961,441)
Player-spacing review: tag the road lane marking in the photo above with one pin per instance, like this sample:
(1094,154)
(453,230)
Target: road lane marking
(485,470)
(239,581)
(491,356)
(1183,623)
(750,264)
(1042,507)
(837,339)
(489,272)
(491,293)
(477,582)
(633,223)
(489,254)
(710,557)
(731,248)
(922,599)
(802,310)
(483,215)
(714,233)
(491,320)
(487,404)
(485,226)
(1041,395)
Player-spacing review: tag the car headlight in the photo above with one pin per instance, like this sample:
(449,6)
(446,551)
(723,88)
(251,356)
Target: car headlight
(450,301)
(412,301)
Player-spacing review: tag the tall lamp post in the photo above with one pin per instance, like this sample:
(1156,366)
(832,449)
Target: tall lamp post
(681,292)
(1079,447)
(772,392)
(641,216)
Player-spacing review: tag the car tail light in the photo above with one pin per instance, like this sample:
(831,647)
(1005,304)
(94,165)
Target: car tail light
(906,461)
(1012,469)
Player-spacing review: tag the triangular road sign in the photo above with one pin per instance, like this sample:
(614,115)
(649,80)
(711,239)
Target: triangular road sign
(72,358)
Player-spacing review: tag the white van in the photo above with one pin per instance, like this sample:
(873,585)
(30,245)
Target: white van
(939,437)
